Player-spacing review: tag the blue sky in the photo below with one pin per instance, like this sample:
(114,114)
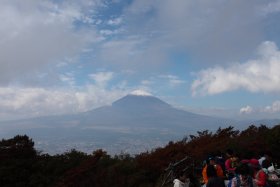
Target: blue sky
(218,57)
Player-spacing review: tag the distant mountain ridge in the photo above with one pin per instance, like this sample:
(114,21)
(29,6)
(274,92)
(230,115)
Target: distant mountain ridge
(135,119)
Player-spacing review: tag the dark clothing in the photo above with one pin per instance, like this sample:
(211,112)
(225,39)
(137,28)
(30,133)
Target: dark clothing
(266,163)
(215,182)
(221,161)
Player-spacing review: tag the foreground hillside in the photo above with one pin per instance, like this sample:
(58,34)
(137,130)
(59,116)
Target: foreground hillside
(22,165)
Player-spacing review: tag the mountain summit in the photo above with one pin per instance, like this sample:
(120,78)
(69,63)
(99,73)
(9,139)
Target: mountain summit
(140,93)
(132,101)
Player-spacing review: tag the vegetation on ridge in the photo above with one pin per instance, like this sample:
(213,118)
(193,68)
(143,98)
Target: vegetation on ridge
(22,165)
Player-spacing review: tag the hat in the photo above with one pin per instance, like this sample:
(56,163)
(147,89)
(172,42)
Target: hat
(254,163)
(271,169)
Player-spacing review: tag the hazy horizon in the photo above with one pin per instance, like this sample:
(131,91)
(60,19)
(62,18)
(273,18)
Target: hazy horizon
(220,113)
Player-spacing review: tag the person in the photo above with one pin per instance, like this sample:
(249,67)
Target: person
(230,164)
(242,177)
(211,162)
(220,160)
(260,177)
(265,160)
(181,180)
(213,179)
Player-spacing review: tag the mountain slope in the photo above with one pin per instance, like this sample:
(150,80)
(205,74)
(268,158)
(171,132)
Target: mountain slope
(148,112)
(134,123)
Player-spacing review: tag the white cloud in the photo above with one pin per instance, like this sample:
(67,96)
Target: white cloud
(271,7)
(147,82)
(261,112)
(154,29)
(101,78)
(16,102)
(133,53)
(107,32)
(116,21)
(246,110)
(274,108)
(173,80)
(200,27)
(36,33)
(68,78)
(49,30)
(259,75)
(140,93)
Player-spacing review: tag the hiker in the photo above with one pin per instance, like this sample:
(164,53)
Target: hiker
(265,160)
(211,162)
(260,177)
(220,160)
(213,179)
(230,164)
(242,177)
(181,180)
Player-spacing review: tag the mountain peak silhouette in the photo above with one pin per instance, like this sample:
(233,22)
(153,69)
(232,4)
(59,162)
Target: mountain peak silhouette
(140,101)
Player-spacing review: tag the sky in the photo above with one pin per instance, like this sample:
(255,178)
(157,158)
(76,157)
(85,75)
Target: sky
(218,57)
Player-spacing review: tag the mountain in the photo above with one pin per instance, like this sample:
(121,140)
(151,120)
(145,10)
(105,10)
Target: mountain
(134,123)
(268,122)
(140,112)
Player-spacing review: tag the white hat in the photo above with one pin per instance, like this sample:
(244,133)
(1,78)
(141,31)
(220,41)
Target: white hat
(271,169)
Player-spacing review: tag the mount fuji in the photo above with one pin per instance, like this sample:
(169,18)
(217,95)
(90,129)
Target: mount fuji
(136,122)
(148,112)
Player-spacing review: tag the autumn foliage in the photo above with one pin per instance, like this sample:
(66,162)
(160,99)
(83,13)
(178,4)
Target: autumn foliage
(22,165)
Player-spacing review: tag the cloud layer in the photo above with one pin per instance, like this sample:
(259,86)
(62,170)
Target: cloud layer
(18,102)
(36,33)
(211,30)
(83,54)
(258,75)
(272,110)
